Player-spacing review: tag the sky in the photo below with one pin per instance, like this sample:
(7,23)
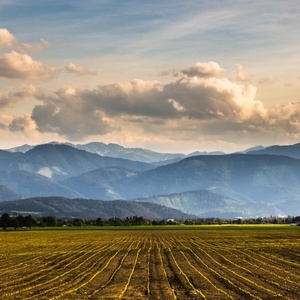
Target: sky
(169,76)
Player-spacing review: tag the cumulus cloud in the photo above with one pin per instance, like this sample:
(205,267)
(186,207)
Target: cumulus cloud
(79,70)
(6,38)
(203,69)
(14,96)
(286,117)
(188,107)
(23,124)
(197,96)
(16,65)
(66,113)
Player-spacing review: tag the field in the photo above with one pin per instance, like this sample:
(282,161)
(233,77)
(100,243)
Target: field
(207,263)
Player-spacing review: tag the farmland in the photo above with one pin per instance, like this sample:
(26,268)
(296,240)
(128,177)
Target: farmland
(206,263)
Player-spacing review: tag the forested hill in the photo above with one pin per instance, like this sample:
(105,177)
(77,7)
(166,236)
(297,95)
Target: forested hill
(89,209)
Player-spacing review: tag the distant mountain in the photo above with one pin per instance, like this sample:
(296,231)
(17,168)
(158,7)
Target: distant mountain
(224,185)
(8,194)
(98,184)
(6,158)
(91,209)
(289,150)
(114,150)
(236,171)
(62,161)
(117,151)
(206,203)
(259,178)
(136,154)
(264,183)
(24,148)
(197,153)
(24,184)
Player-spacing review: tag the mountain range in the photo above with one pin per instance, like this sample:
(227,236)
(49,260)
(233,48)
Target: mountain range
(260,181)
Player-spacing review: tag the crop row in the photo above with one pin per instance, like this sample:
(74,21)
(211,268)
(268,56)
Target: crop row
(150,264)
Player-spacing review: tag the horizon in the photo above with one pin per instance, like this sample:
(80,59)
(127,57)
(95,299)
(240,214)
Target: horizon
(168,77)
(174,152)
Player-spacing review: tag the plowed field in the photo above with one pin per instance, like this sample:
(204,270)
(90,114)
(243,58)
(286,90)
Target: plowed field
(150,264)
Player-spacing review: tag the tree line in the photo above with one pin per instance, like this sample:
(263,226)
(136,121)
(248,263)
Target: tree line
(28,221)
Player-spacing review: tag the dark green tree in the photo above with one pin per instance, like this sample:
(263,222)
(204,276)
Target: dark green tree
(6,221)
(50,221)
(30,221)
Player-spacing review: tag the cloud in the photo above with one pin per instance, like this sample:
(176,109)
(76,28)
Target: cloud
(15,65)
(206,69)
(26,47)
(6,38)
(79,70)
(286,118)
(241,74)
(66,114)
(190,107)
(197,96)
(267,80)
(14,96)
(23,124)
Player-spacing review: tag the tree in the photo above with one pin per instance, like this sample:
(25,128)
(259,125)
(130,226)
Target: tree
(6,221)
(77,222)
(30,221)
(50,221)
(99,222)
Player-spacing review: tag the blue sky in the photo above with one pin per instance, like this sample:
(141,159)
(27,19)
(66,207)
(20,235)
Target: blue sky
(169,76)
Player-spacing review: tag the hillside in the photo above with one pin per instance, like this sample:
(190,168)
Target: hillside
(26,184)
(62,161)
(113,150)
(206,203)
(99,183)
(286,150)
(251,175)
(90,209)
(221,185)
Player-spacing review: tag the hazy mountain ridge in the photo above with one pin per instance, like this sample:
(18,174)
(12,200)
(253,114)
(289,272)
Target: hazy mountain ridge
(62,161)
(99,183)
(136,154)
(224,185)
(27,184)
(117,151)
(205,203)
(113,150)
(286,150)
(84,208)
(236,171)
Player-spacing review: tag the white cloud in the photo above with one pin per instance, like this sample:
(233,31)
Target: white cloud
(67,114)
(286,117)
(75,112)
(15,65)
(79,70)
(206,69)
(187,108)
(241,74)
(6,38)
